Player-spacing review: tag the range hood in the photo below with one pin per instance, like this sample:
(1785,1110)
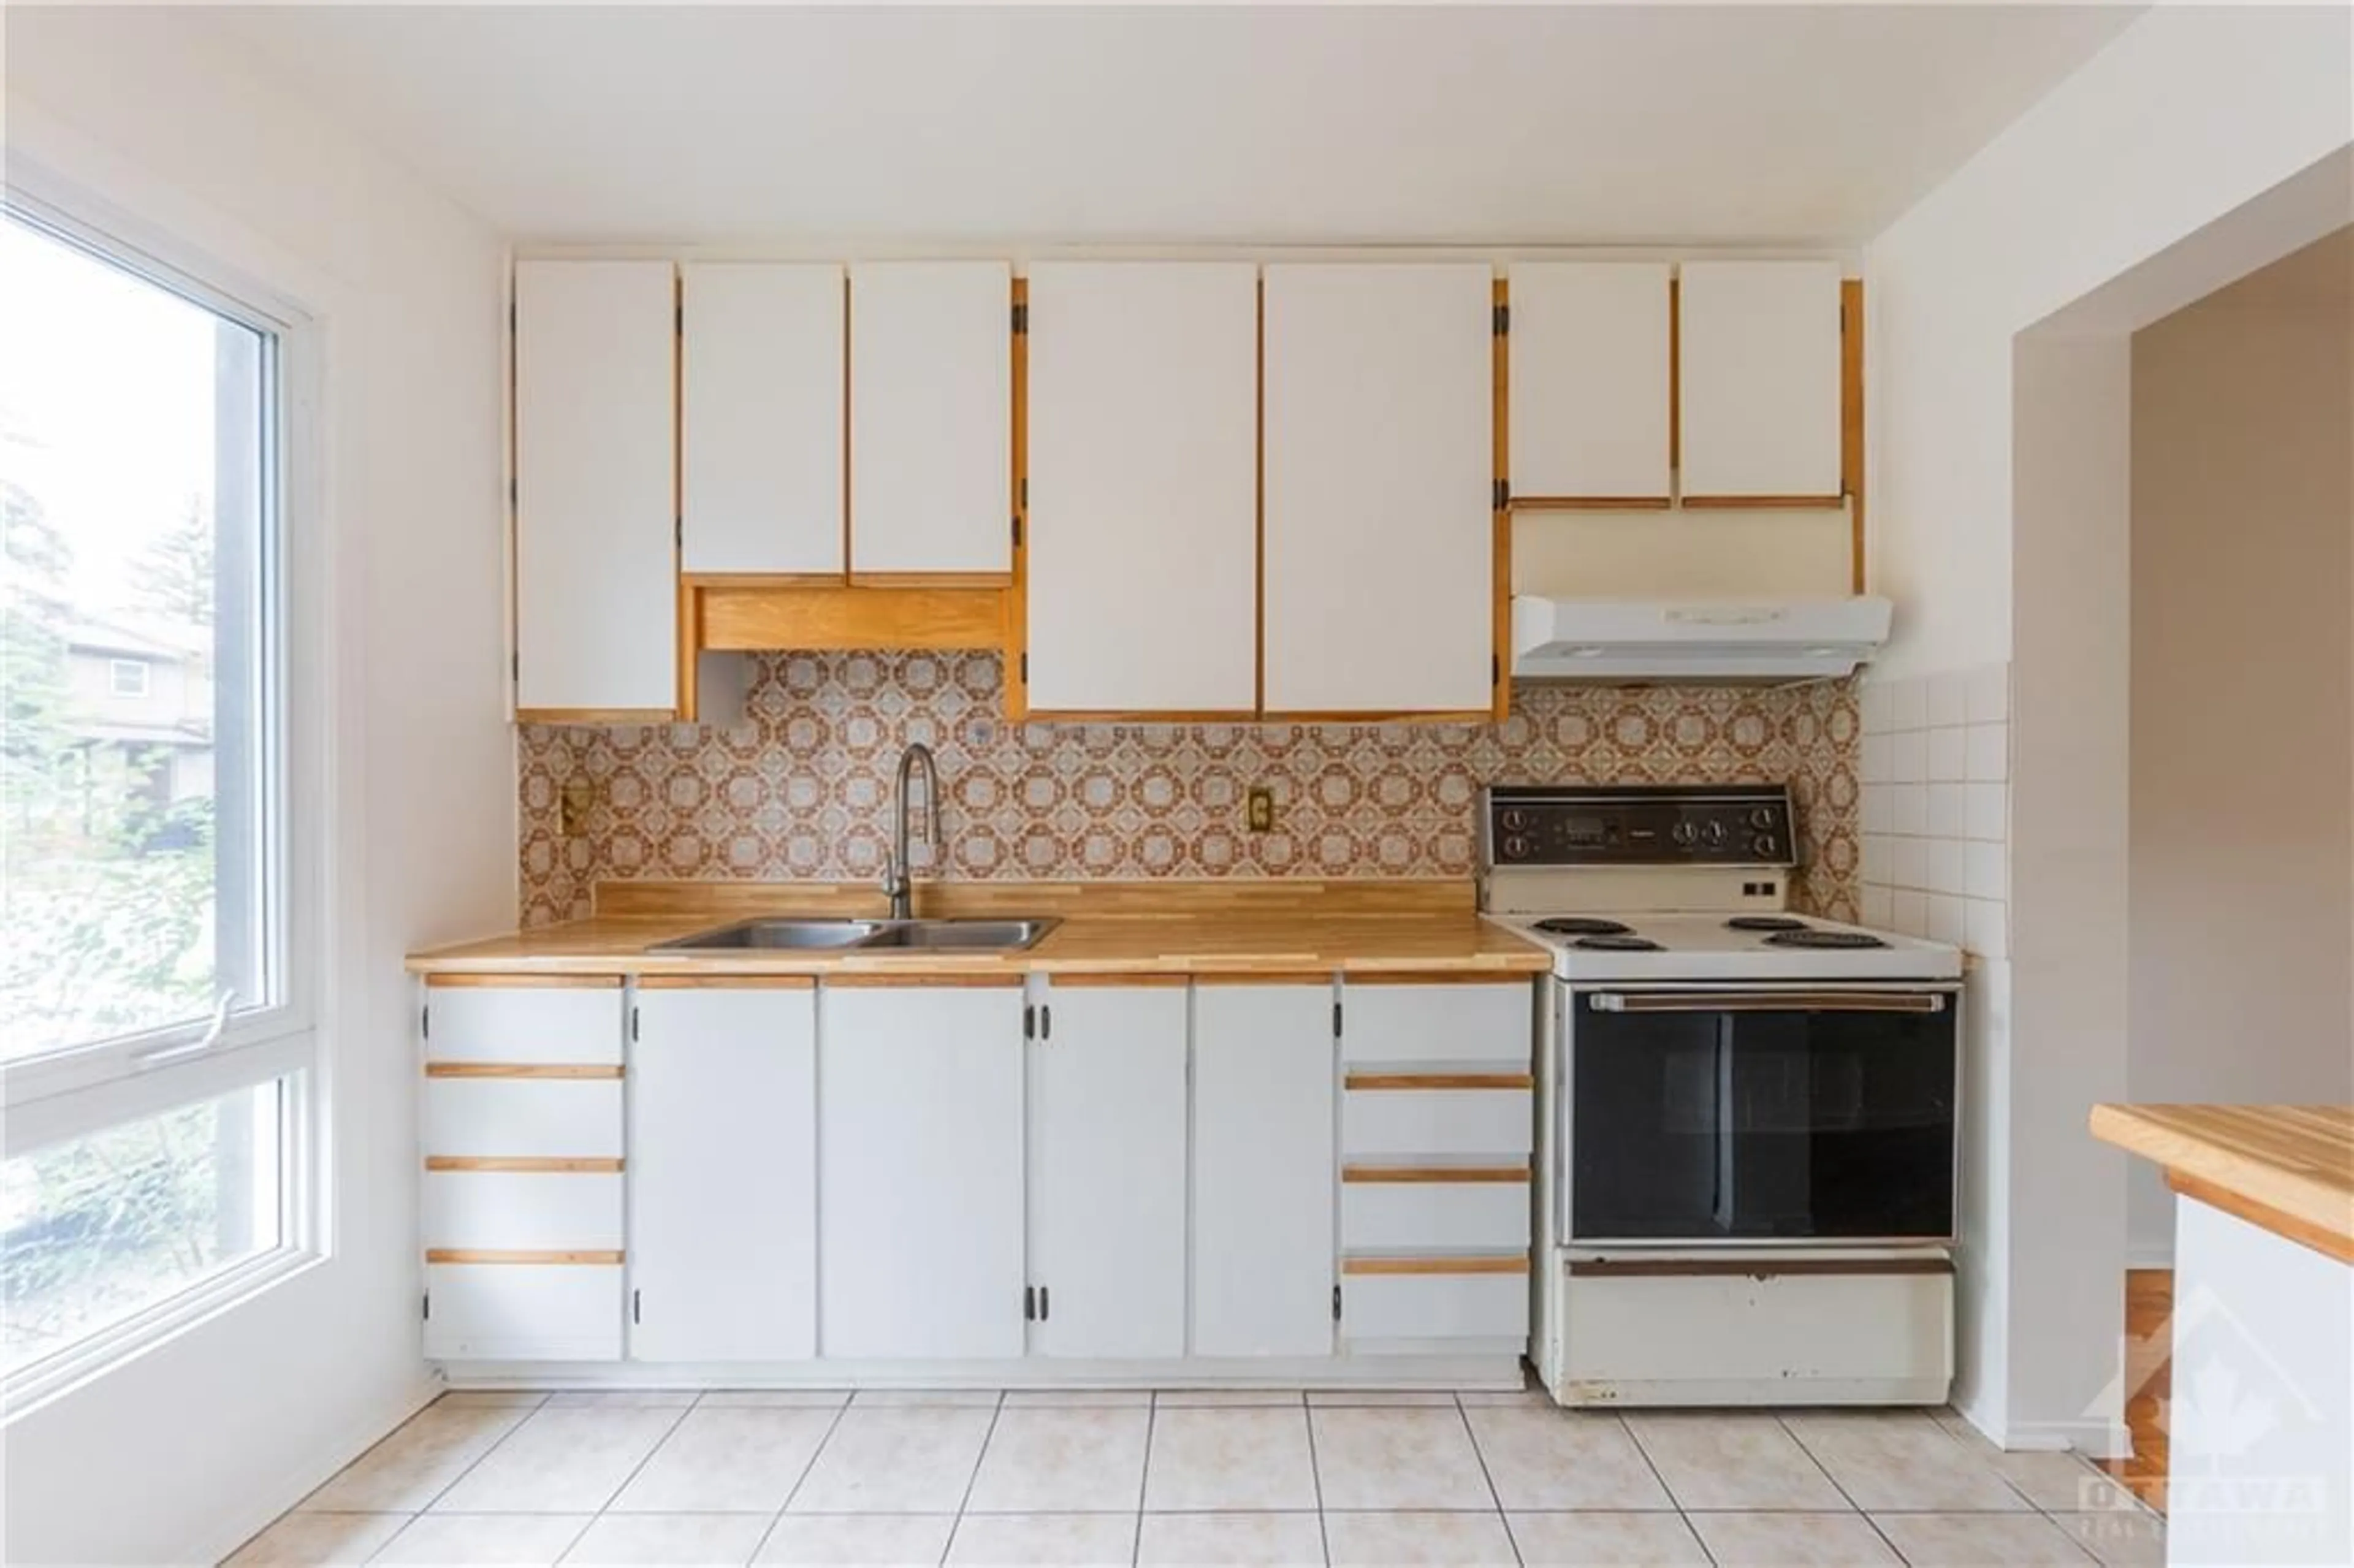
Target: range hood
(1693,640)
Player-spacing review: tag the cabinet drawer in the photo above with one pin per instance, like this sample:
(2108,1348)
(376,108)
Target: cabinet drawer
(1467,1306)
(526,1024)
(527,1212)
(524,1117)
(1435,1121)
(1434,1216)
(1424,1022)
(1704,1332)
(505,1311)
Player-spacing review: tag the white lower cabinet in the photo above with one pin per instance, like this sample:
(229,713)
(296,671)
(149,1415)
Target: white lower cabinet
(523,1312)
(1108,1170)
(1263,1169)
(919,1170)
(723,1173)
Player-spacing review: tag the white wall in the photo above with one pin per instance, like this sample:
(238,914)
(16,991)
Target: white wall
(2242,870)
(179,1455)
(1999,478)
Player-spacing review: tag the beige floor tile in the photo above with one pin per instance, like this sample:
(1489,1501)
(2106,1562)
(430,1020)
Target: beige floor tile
(914,1460)
(1714,1459)
(1078,1398)
(1397,1460)
(492,1398)
(560,1461)
(1212,1460)
(1534,1398)
(1605,1540)
(1900,1459)
(727,1460)
(1450,1540)
(1378,1398)
(1541,1459)
(668,1541)
(1231,1540)
(316,1540)
(409,1470)
(774,1398)
(622,1398)
(2128,1538)
(839,1541)
(1044,1541)
(1981,1540)
(485,1540)
(1208,1398)
(903,1398)
(2059,1483)
(1792,1540)
(1062,1461)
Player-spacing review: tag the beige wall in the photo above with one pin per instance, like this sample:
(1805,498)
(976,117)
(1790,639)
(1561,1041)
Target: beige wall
(2241,839)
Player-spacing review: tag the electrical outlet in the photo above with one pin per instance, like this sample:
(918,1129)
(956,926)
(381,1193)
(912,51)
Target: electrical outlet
(572,803)
(1259,809)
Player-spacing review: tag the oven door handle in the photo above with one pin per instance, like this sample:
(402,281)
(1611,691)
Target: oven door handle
(1767,1002)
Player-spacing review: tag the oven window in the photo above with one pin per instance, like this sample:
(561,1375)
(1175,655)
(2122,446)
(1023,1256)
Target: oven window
(1716,1125)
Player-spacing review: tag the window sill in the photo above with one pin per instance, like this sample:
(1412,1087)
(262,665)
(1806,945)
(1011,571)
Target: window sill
(66,1372)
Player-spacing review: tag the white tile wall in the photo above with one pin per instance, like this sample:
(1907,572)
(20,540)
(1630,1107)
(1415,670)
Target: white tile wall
(1936,807)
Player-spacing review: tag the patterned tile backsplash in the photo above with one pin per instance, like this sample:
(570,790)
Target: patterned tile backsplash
(801,789)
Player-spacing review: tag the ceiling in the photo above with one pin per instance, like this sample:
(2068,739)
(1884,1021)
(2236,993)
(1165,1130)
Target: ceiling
(2319,277)
(1636,124)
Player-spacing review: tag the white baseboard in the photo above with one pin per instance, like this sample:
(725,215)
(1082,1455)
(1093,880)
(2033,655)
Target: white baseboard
(1496,1369)
(2091,1437)
(246,1518)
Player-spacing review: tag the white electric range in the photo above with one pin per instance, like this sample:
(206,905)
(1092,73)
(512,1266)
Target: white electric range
(1746,1127)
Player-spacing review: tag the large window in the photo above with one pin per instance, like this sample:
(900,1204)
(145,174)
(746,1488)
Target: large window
(152,1047)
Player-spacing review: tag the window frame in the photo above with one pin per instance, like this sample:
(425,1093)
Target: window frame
(140,688)
(66,1093)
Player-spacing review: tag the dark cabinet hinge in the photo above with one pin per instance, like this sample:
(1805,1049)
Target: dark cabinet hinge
(1495,670)
(1504,495)
(678,318)
(678,530)
(1021,320)
(1046,1305)
(515,668)
(425,1022)
(1029,1303)
(1029,1024)
(511,316)
(633,1023)
(1336,1304)
(1047,1022)
(425,1307)
(1336,1021)
(1017,530)
(514,494)
(1026,666)
(1503,319)
(1025,491)
(635,1304)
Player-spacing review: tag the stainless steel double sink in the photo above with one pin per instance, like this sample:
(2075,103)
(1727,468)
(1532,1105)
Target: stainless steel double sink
(865,936)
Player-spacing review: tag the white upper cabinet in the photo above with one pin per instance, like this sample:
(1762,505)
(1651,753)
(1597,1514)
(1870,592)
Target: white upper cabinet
(723,1174)
(1379,469)
(1143,473)
(931,421)
(1107,1172)
(1589,380)
(761,412)
(596,563)
(1760,380)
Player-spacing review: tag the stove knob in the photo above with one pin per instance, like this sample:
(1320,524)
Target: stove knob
(1516,848)
(1515,820)
(1683,833)
(1763,846)
(1761,819)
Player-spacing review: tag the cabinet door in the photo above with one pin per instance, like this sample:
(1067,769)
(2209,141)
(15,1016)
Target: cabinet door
(723,1174)
(1107,1172)
(1380,554)
(595,454)
(1760,380)
(1589,373)
(931,421)
(761,412)
(920,1171)
(1263,1169)
(1143,477)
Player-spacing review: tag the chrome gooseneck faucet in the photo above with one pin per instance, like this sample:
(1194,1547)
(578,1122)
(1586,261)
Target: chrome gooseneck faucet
(899,879)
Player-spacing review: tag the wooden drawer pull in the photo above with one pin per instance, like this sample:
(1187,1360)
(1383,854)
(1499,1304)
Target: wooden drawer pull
(514,1255)
(519,1070)
(523,1164)
(1516,1264)
(1440,1080)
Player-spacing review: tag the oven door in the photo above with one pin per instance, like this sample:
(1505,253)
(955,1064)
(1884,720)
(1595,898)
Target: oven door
(1717,1116)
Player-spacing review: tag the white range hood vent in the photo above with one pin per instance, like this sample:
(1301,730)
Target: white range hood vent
(1696,639)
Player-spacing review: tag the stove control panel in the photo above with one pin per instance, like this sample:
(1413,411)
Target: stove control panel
(1659,825)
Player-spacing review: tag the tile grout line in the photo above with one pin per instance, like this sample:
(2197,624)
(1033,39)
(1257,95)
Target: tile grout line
(1683,1513)
(957,1526)
(1816,1459)
(1472,1437)
(1316,1478)
(802,1480)
(1144,1475)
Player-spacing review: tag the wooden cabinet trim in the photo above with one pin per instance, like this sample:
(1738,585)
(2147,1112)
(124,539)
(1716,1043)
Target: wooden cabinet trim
(1851,420)
(1764,503)
(726,983)
(1081,979)
(736,618)
(1377,1175)
(549,1256)
(530,981)
(595,715)
(516,1164)
(562,1071)
(1356,1080)
(1501,587)
(1434,977)
(2280,1222)
(870,981)
(1269,977)
(1517,1262)
(931,579)
(1591,503)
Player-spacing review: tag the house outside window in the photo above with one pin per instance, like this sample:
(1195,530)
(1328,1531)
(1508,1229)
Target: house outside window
(127,677)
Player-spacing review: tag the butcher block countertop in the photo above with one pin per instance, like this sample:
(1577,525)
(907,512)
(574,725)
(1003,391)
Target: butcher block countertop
(1274,927)
(2289,1168)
